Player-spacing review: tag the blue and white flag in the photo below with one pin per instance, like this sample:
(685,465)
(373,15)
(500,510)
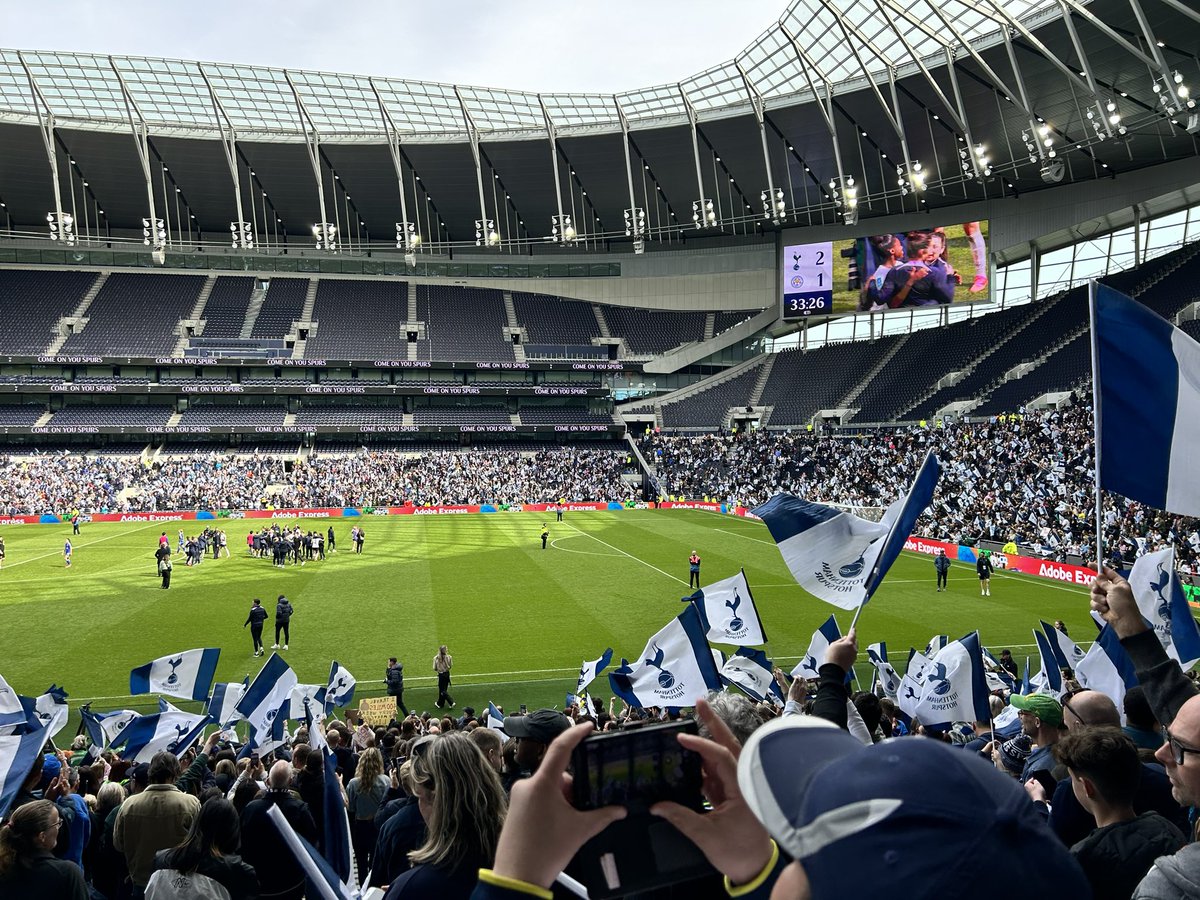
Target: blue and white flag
(272,735)
(955,689)
(997,676)
(268,694)
(814,657)
(18,753)
(495,718)
(591,668)
(222,705)
(302,692)
(188,675)
(11,710)
(888,678)
(675,669)
(917,664)
(336,821)
(751,671)
(1048,680)
(908,696)
(728,613)
(147,735)
(1008,723)
(1108,669)
(339,688)
(48,711)
(102,727)
(1026,682)
(1160,598)
(1148,386)
(1066,652)
(839,557)
(322,880)
(936,643)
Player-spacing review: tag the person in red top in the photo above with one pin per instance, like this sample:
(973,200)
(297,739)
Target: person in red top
(694,570)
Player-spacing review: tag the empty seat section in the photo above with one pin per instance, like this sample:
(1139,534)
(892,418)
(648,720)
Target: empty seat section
(359,320)
(232,414)
(648,331)
(461,415)
(563,415)
(555,327)
(281,307)
(120,416)
(802,384)
(350,415)
(725,320)
(225,310)
(708,408)
(136,315)
(463,323)
(22,414)
(31,303)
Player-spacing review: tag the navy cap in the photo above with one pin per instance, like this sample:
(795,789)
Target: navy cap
(908,811)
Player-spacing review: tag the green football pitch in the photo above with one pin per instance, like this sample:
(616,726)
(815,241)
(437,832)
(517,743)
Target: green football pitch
(518,619)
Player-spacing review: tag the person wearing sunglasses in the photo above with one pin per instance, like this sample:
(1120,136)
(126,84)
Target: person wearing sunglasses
(28,867)
(1175,702)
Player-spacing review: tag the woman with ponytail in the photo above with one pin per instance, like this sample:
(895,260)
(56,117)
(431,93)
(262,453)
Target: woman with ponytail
(28,867)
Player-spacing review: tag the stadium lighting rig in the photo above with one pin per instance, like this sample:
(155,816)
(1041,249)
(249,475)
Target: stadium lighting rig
(774,206)
(635,227)
(1107,123)
(911,177)
(486,233)
(845,198)
(242,235)
(704,214)
(981,160)
(62,227)
(408,239)
(154,233)
(561,230)
(1173,94)
(325,234)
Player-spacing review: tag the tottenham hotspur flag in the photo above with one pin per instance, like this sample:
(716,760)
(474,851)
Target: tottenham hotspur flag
(675,669)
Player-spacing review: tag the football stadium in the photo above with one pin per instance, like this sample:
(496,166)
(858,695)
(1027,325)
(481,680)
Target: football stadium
(374,451)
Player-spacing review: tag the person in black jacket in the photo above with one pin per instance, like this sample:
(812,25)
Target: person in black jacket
(279,874)
(28,867)
(941,563)
(283,618)
(394,676)
(255,620)
(163,555)
(983,566)
(209,853)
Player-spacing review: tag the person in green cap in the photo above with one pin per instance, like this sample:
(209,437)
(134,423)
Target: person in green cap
(1042,719)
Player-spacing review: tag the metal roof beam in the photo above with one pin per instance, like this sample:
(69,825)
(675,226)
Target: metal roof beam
(552,136)
(1103,27)
(473,137)
(46,129)
(825,104)
(892,114)
(756,101)
(885,7)
(141,139)
(312,144)
(228,144)
(396,154)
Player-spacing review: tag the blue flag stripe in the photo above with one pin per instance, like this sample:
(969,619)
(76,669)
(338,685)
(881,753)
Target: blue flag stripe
(786,516)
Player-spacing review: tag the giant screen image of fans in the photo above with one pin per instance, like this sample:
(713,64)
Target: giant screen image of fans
(925,267)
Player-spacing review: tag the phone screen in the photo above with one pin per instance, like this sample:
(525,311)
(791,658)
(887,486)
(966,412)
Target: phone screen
(637,768)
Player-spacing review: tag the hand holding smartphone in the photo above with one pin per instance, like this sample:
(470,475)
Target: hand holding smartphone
(637,768)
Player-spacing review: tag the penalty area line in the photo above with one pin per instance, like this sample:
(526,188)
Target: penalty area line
(624,553)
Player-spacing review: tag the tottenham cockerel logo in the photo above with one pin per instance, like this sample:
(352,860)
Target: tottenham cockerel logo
(666,680)
(735,624)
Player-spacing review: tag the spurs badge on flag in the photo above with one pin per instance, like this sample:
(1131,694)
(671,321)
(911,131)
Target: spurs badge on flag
(188,674)
(675,669)
(728,612)
(1161,601)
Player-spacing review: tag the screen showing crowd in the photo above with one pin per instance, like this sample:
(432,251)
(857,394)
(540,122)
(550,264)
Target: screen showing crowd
(923,267)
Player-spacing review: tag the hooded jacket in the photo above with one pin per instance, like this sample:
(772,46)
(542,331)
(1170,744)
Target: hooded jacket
(1172,877)
(283,612)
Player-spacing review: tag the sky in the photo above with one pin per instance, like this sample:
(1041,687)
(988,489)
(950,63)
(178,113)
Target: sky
(604,47)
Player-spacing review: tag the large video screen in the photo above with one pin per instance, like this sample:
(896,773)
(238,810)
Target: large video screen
(924,267)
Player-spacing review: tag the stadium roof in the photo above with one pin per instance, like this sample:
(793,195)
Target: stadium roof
(833,89)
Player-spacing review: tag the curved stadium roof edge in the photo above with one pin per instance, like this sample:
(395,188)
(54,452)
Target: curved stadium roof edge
(845,44)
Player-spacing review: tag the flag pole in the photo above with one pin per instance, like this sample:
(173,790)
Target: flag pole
(1096,425)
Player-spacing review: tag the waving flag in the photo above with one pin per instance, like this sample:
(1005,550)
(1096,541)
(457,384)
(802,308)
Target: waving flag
(222,705)
(728,613)
(837,556)
(814,657)
(751,671)
(322,881)
(888,679)
(18,753)
(147,735)
(495,718)
(336,821)
(48,710)
(1066,652)
(1108,669)
(590,669)
(103,727)
(301,692)
(11,710)
(268,694)
(1160,599)
(1148,421)
(188,675)
(908,696)
(917,664)
(1048,680)
(955,689)
(340,687)
(1026,682)
(675,669)
(936,643)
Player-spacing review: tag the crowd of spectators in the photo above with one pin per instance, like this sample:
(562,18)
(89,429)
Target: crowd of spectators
(61,483)
(1026,478)
(806,798)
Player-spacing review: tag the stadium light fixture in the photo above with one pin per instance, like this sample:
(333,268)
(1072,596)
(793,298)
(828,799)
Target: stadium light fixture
(62,227)
(981,160)
(704,213)
(1173,94)
(154,234)
(407,236)
(561,229)
(325,234)
(1107,123)
(242,235)
(911,177)
(486,233)
(635,222)
(845,198)
(774,205)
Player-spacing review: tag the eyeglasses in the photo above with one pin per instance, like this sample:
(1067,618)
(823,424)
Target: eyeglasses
(1067,709)
(1178,750)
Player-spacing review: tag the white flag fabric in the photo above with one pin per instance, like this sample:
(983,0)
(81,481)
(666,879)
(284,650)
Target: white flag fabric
(591,668)
(340,687)
(11,710)
(1108,669)
(320,876)
(188,675)
(495,718)
(302,692)
(728,613)
(888,678)
(18,753)
(222,705)
(814,657)
(751,671)
(1160,598)
(917,664)
(908,697)
(1066,652)
(104,726)
(147,735)
(51,710)
(675,669)
(1048,680)
(268,695)
(955,689)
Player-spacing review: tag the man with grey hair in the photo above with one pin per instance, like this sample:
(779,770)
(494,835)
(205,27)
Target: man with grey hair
(737,711)
(279,874)
(156,819)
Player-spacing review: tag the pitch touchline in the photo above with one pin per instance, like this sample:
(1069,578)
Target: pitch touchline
(88,544)
(746,536)
(623,553)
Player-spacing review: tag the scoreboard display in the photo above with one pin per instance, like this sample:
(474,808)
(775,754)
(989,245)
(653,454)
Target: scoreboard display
(807,279)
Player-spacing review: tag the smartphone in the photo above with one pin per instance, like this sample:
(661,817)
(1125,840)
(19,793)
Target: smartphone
(524,709)
(637,768)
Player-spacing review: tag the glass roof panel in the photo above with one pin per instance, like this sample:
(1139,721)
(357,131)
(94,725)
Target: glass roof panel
(422,107)
(716,87)
(168,92)
(499,110)
(339,103)
(581,109)
(254,97)
(652,102)
(77,85)
(14,85)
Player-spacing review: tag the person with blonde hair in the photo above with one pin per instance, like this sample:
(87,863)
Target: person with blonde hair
(28,867)
(464,806)
(364,795)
